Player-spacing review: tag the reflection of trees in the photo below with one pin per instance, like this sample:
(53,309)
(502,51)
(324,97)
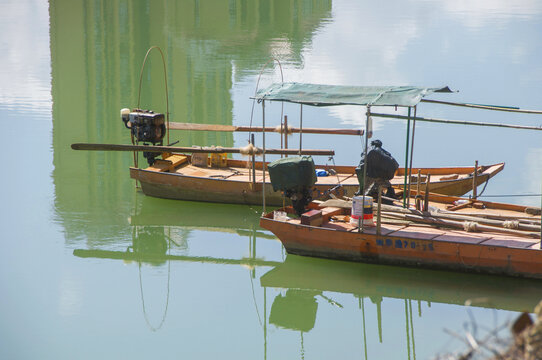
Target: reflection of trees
(96,53)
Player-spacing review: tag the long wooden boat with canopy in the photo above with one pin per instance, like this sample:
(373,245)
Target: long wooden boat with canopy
(207,174)
(422,230)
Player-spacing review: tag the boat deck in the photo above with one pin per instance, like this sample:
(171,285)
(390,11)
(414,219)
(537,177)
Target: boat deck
(244,174)
(427,232)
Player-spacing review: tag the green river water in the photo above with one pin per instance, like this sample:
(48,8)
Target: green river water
(90,268)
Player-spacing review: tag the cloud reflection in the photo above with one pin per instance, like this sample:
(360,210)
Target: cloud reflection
(25,80)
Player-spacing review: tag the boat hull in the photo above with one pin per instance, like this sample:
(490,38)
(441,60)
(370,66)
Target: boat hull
(427,248)
(180,185)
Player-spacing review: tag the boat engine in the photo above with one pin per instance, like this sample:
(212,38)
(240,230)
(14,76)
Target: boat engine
(147,127)
(381,167)
(295,176)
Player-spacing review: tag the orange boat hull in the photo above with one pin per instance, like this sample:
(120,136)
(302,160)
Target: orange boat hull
(421,247)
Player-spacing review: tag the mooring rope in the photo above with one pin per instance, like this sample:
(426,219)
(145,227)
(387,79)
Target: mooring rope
(470,226)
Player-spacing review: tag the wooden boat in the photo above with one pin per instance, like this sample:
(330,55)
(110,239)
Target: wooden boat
(435,239)
(176,177)
(240,181)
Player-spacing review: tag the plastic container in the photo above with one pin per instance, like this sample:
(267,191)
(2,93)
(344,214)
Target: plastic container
(219,160)
(200,159)
(280,215)
(362,211)
(321,172)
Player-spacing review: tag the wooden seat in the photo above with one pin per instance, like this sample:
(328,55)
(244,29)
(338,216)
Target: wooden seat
(168,164)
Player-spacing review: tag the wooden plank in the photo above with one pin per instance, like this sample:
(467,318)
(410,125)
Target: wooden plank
(415,232)
(462,237)
(510,242)
(168,164)
(159,165)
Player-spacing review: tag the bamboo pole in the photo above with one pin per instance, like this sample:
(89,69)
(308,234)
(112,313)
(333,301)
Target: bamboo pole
(426,199)
(388,210)
(461,225)
(460,217)
(285,129)
(485,107)
(458,122)
(200,149)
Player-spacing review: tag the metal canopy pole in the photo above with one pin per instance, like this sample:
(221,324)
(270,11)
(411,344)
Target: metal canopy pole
(360,222)
(300,127)
(286,133)
(411,155)
(263,156)
(406,159)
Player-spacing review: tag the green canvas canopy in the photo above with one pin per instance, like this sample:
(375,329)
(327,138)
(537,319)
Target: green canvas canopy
(328,95)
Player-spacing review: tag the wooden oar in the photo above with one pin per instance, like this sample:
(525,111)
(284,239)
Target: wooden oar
(231,128)
(127,255)
(200,149)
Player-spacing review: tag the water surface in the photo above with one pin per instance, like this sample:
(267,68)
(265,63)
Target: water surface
(91,268)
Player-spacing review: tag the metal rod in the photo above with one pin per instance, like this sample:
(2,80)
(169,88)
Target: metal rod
(406,159)
(407,329)
(485,107)
(412,329)
(379,317)
(360,225)
(282,128)
(300,128)
(474,182)
(458,122)
(253,164)
(286,133)
(411,156)
(263,155)
(265,322)
(364,330)
(379,206)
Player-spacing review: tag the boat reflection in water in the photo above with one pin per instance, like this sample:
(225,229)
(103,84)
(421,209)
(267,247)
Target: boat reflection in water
(304,281)
(377,281)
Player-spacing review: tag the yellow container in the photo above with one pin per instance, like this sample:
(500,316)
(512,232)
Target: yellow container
(219,160)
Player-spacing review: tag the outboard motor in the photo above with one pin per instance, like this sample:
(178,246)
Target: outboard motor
(146,126)
(381,167)
(295,176)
